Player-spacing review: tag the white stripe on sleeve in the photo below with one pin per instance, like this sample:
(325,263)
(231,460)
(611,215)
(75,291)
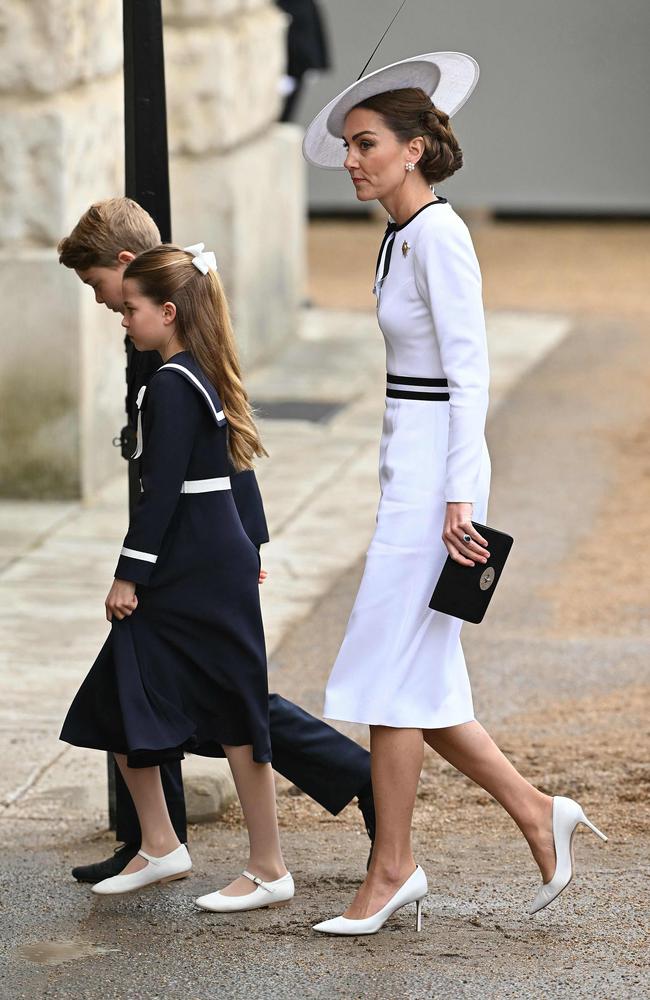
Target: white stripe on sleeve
(135,554)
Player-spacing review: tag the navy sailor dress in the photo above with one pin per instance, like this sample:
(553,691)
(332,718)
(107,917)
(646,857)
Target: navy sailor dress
(187,669)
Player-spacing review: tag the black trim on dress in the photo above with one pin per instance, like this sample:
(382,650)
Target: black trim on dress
(440,201)
(407,394)
(416,380)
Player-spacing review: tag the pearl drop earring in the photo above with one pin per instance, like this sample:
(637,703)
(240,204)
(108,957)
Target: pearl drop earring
(410,167)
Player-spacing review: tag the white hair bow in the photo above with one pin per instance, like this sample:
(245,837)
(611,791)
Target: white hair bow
(203,260)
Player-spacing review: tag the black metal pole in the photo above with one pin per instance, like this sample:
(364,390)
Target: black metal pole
(146,168)
(145,114)
(146,165)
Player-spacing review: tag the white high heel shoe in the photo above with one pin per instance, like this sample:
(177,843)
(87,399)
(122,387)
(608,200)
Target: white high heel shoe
(265,894)
(413,891)
(567,814)
(176,864)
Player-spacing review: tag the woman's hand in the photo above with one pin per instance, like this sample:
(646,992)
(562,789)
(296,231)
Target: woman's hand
(263,576)
(458,527)
(121,600)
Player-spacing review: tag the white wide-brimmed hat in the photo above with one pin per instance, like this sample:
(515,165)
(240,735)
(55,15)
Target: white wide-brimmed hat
(447,77)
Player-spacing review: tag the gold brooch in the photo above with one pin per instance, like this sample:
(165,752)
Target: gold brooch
(405,248)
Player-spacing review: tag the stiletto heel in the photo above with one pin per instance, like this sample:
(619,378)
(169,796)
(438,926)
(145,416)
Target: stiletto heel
(413,891)
(567,815)
(418,914)
(594,829)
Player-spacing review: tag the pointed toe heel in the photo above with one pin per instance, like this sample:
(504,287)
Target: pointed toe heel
(412,891)
(567,816)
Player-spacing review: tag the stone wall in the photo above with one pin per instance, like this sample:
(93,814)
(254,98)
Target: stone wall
(61,357)
(237,178)
(237,184)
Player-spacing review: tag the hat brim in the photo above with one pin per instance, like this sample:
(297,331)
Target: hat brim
(447,77)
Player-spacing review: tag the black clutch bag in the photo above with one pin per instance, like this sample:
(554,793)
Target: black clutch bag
(465,591)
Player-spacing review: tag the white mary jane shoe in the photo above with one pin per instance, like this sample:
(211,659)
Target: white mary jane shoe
(567,814)
(265,894)
(413,891)
(176,864)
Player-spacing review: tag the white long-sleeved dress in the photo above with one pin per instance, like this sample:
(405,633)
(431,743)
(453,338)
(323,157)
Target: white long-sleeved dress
(400,663)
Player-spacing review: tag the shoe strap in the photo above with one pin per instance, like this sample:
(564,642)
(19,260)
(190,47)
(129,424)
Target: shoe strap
(149,858)
(157,861)
(257,881)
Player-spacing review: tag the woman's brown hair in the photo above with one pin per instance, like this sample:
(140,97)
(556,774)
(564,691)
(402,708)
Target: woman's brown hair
(409,114)
(166,274)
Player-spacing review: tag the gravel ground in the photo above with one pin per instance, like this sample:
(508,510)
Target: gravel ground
(560,677)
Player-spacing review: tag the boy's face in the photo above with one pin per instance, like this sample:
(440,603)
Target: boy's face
(106,282)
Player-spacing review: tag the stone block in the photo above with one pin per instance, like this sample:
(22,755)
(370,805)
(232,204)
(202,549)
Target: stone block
(207,11)
(50,45)
(249,207)
(59,154)
(61,382)
(200,11)
(222,80)
(209,788)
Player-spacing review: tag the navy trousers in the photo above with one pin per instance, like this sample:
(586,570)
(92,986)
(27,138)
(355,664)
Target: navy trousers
(326,765)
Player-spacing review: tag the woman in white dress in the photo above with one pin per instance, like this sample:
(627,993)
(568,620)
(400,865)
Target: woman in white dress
(401,668)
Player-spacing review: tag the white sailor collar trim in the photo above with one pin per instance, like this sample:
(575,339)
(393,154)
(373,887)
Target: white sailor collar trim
(203,386)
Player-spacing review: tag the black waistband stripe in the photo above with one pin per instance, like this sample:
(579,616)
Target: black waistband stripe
(411,380)
(407,394)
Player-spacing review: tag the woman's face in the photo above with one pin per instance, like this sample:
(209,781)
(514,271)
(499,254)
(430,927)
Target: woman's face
(147,324)
(375,158)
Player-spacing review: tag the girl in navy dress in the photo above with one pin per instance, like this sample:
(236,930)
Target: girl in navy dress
(184,666)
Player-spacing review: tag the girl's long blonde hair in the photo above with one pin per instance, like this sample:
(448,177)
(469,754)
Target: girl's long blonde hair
(166,274)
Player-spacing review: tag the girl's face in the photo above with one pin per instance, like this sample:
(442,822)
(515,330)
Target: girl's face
(150,326)
(375,158)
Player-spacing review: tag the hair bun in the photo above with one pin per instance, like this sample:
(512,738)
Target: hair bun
(442,155)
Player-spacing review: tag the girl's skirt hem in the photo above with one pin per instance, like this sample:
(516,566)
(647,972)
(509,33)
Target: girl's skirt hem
(154,758)
(150,697)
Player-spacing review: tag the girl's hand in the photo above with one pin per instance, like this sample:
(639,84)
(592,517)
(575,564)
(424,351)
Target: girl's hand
(121,600)
(263,576)
(458,525)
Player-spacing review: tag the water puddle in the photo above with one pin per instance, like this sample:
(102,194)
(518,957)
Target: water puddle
(56,952)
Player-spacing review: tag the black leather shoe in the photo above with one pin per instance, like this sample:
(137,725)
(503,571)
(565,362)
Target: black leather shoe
(366,804)
(106,869)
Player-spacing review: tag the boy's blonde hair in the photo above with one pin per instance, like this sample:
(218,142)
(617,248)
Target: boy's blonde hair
(104,230)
